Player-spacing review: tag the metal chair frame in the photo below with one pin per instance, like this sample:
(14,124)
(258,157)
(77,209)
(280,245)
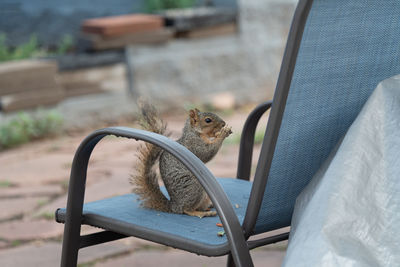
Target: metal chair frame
(238,245)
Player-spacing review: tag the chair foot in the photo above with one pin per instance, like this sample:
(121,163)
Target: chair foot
(230,262)
(69,257)
(71,244)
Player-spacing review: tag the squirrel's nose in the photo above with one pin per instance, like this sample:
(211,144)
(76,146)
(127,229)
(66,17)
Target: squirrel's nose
(223,124)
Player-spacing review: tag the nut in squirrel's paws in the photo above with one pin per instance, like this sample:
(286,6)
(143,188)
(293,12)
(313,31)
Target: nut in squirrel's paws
(224,132)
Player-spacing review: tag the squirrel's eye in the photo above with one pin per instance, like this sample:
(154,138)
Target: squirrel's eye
(208,120)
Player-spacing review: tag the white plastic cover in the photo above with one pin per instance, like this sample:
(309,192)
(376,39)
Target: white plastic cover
(349,214)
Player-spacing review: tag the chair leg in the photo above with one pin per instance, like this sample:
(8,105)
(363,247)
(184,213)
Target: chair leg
(230,262)
(71,244)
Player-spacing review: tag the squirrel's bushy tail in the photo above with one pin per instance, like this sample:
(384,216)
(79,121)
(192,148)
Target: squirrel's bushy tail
(145,179)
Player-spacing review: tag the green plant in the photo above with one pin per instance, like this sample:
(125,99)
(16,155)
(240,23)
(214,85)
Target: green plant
(4,51)
(42,202)
(26,50)
(234,139)
(15,243)
(259,137)
(67,42)
(46,215)
(5,183)
(25,127)
(31,48)
(152,6)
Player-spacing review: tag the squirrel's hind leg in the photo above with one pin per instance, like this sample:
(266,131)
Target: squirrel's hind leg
(200,214)
(205,204)
(202,209)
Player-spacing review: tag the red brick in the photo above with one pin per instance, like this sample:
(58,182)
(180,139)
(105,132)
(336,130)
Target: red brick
(119,25)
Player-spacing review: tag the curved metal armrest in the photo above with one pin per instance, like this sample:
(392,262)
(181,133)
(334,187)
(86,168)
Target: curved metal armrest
(218,197)
(247,140)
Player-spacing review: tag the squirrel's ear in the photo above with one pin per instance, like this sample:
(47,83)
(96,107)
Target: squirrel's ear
(193,115)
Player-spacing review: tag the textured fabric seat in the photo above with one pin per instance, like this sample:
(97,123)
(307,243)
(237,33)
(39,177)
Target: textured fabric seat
(124,215)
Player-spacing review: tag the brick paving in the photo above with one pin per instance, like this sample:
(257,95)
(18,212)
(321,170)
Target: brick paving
(31,191)
(11,208)
(33,183)
(19,230)
(179,258)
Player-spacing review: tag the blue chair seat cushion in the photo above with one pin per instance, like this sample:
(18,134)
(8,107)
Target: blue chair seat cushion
(123,214)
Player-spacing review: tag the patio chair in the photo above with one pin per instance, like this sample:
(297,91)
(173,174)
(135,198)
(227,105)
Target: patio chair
(337,52)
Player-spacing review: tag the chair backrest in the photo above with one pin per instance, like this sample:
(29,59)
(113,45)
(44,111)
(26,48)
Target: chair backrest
(347,48)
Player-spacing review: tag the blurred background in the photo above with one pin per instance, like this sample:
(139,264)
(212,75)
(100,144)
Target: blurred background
(69,67)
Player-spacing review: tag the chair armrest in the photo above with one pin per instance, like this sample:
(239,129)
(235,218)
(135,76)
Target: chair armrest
(218,197)
(247,140)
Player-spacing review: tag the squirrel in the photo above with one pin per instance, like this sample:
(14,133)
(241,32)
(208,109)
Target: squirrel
(203,135)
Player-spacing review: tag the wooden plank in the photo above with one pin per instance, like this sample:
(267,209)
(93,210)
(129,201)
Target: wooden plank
(84,82)
(98,42)
(78,88)
(70,62)
(120,25)
(183,20)
(206,32)
(26,75)
(88,90)
(31,99)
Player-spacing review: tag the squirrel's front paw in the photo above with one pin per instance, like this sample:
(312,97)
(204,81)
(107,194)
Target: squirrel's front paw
(224,132)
